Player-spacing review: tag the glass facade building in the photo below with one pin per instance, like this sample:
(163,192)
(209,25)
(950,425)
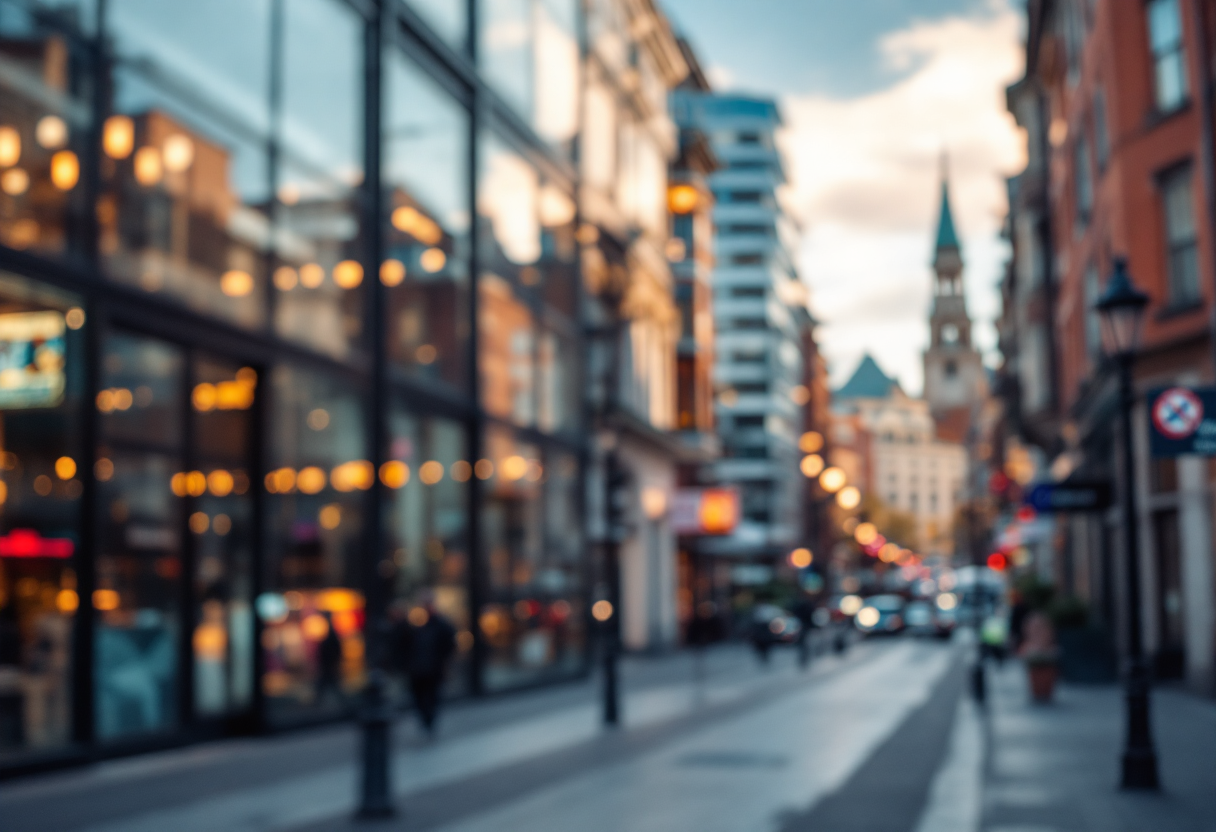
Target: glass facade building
(288,339)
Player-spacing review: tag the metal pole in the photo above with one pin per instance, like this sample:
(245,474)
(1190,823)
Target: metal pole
(1139,756)
(612,577)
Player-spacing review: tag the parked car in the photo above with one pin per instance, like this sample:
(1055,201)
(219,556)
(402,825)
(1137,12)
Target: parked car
(925,619)
(880,614)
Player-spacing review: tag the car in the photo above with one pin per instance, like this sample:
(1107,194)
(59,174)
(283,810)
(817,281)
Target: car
(880,614)
(923,618)
(774,625)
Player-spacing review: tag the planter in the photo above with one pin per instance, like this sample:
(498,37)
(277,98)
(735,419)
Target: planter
(1043,677)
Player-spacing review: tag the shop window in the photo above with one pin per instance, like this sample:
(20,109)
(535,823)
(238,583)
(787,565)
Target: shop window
(184,178)
(532,619)
(41,383)
(426,265)
(427,475)
(312,612)
(449,18)
(318,276)
(44,124)
(139,559)
(559,384)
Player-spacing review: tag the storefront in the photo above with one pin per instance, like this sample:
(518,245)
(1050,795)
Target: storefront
(288,340)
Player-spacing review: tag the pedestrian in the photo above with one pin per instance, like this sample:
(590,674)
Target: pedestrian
(804,611)
(426,644)
(329,663)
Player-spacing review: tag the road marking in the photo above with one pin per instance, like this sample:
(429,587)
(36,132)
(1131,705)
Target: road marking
(955,799)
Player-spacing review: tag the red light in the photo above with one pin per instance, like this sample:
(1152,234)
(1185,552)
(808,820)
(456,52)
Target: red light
(997,562)
(1026,514)
(27,543)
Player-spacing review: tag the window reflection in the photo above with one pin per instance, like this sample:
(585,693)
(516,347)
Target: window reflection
(41,378)
(184,163)
(529,54)
(532,621)
(426,267)
(450,18)
(428,473)
(318,276)
(139,549)
(44,122)
(312,613)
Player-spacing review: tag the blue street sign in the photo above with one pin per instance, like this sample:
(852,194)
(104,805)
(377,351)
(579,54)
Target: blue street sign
(1065,497)
(1182,420)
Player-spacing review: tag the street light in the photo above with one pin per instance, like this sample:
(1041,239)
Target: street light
(1121,309)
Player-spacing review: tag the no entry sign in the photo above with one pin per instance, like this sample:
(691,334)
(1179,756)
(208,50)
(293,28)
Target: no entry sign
(1183,421)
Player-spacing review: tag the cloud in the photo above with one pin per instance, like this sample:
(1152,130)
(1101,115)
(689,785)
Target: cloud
(865,171)
(722,78)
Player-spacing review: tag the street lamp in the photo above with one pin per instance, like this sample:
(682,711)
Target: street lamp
(1121,309)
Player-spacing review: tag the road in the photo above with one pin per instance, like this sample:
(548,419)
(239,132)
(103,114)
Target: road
(876,739)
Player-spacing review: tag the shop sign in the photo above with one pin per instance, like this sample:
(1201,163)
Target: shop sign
(705,511)
(31,359)
(1182,420)
(1051,497)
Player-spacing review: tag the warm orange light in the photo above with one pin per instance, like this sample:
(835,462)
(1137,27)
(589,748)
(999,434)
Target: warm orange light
(800,395)
(234,395)
(719,510)
(426,354)
(118,137)
(330,516)
(394,473)
(310,480)
(74,318)
(177,484)
(865,533)
(210,641)
(682,199)
(348,274)
(311,275)
(339,600)
(285,278)
(314,627)
(148,167)
(105,600)
(67,601)
(356,474)
(812,466)
(65,170)
(65,467)
(801,558)
(178,152)
(196,483)
(10,146)
(889,553)
(51,132)
(848,498)
(220,483)
(392,272)
(204,396)
(484,469)
(282,481)
(601,610)
(654,502)
(432,260)
(513,468)
(416,224)
(833,479)
(236,283)
(14,182)
(461,471)
(810,442)
(199,522)
(430,472)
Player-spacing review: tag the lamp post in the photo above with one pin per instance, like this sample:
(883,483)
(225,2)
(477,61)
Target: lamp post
(1121,309)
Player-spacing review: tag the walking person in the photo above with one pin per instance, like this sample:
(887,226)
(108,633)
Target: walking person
(427,642)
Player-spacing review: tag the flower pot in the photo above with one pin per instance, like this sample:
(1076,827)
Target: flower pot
(1042,680)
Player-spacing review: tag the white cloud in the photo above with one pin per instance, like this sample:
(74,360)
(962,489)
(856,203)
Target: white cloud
(865,173)
(722,78)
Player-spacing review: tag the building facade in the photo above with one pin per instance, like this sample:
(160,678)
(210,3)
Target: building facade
(1116,102)
(758,364)
(292,336)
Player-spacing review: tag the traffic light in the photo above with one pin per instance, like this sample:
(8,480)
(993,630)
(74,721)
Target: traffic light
(619,496)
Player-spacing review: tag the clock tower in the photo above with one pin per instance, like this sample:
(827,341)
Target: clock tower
(955,380)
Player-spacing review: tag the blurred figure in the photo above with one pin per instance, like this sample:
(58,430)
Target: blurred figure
(329,663)
(804,611)
(426,643)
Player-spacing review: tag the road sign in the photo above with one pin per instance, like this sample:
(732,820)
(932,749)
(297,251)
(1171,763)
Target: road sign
(1069,497)
(1182,421)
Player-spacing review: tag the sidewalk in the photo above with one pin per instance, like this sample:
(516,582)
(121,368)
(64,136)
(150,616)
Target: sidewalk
(1055,768)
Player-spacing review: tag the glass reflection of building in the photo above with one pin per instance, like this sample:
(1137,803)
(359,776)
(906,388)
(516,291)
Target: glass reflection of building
(191,258)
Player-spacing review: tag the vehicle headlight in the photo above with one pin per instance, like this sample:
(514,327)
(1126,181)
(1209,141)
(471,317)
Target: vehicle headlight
(868,616)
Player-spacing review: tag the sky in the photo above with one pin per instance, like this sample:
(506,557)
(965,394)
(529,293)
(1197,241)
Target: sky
(873,92)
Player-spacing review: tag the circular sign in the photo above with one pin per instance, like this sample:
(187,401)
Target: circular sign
(1177,413)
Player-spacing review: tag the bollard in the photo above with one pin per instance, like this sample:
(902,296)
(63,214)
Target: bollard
(375,800)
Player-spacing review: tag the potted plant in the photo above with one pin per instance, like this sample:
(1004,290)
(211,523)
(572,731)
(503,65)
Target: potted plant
(1041,657)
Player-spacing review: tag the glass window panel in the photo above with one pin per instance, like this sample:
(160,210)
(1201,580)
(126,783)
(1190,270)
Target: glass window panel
(312,610)
(184,168)
(450,18)
(318,278)
(505,50)
(140,486)
(44,122)
(221,527)
(428,474)
(507,202)
(427,233)
(41,384)
(557,368)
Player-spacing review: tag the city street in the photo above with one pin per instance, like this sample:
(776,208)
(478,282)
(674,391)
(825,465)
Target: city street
(882,738)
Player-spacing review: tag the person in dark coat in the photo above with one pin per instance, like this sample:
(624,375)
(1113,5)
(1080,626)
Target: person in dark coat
(427,642)
(329,663)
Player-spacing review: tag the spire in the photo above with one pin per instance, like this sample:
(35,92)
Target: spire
(946,236)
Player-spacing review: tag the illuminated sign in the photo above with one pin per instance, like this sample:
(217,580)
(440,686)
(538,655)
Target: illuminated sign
(31,359)
(27,543)
(705,511)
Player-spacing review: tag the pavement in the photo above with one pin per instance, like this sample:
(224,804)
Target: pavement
(882,739)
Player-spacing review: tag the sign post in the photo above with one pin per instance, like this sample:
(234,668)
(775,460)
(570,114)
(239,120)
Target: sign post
(1182,421)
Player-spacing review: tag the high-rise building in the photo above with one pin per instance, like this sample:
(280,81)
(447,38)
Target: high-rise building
(759,364)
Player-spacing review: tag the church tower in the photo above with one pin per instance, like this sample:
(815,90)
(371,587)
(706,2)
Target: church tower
(954,374)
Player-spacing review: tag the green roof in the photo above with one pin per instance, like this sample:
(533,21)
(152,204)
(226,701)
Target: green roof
(946,235)
(868,382)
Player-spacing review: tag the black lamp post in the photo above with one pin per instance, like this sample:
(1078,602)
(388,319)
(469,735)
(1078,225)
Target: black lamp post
(1121,309)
